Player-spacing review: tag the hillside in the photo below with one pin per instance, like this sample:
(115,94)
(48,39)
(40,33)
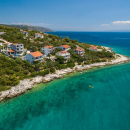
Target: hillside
(28,27)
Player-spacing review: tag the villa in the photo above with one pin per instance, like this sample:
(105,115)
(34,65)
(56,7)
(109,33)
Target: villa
(2,33)
(34,56)
(93,48)
(16,48)
(64,47)
(38,35)
(47,50)
(65,54)
(25,33)
(79,51)
(5,47)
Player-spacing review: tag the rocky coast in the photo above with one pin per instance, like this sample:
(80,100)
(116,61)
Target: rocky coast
(27,84)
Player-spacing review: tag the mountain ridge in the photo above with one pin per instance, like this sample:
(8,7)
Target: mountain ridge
(29,27)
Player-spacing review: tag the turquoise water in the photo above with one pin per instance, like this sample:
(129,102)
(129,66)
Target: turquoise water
(70,104)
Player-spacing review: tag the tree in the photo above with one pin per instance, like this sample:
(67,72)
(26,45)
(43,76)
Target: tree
(60,59)
(52,70)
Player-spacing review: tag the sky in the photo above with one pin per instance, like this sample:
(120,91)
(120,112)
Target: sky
(68,15)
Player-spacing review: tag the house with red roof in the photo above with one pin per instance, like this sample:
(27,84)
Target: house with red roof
(93,48)
(47,50)
(39,35)
(65,54)
(64,47)
(25,33)
(79,50)
(2,33)
(34,56)
(18,48)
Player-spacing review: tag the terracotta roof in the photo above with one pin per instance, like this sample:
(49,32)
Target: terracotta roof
(49,47)
(25,31)
(92,47)
(63,52)
(66,46)
(36,54)
(79,49)
(38,33)
(6,43)
(10,51)
(15,43)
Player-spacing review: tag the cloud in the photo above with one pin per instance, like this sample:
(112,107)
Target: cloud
(33,24)
(105,25)
(94,25)
(121,22)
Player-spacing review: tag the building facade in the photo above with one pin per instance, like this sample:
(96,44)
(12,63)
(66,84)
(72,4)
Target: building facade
(25,33)
(47,50)
(64,47)
(93,48)
(65,54)
(2,33)
(34,56)
(80,51)
(38,35)
(18,48)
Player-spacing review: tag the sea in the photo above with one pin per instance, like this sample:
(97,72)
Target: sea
(70,103)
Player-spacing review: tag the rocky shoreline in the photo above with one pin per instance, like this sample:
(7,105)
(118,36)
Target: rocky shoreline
(29,83)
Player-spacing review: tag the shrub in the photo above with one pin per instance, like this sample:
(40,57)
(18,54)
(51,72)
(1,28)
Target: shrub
(52,70)
(62,66)
(33,74)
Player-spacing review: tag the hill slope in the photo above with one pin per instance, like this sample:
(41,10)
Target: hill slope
(28,27)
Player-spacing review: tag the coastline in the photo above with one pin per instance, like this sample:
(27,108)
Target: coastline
(28,84)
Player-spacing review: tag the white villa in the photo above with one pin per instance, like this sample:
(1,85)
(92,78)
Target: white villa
(34,56)
(64,47)
(79,51)
(38,35)
(47,50)
(2,33)
(5,47)
(65,54)
(25,33)
(16,49)
(93,48)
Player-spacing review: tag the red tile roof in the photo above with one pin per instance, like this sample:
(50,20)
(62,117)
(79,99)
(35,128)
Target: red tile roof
(79,49)
(10,51)
(66,46)
(48,46)
(36,54)
(15,43)
(92,47)
(63,52)
(38,33)
(6,43)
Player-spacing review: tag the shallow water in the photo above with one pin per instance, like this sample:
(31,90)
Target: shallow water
(71,104)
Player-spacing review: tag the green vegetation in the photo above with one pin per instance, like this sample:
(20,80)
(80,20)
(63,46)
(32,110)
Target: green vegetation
(12,70)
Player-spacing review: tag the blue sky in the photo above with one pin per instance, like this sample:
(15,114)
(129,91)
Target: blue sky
(68,15)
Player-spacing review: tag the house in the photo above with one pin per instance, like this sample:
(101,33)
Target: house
(5,47)
(25,33)
(2,33)
(65,54)
(47,50)
(18,48)
(38,35)
(34,56)
(64,47)
(79,50)
(93,48)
